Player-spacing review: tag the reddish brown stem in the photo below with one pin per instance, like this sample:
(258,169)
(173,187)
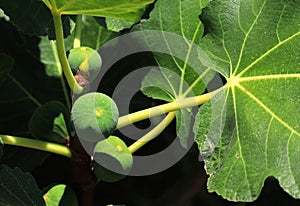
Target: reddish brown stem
(84,177)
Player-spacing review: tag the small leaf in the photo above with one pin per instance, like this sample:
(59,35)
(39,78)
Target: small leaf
(117,25)
(130,10)
(49,57)
(18,188)
(60,195)
(49,122)
(5,66)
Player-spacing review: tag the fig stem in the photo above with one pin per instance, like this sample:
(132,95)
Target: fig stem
(153,133)
(178,104)
(75,87)
(77,34)
(36,144)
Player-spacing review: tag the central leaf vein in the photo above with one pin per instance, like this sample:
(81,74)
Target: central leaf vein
(265,77)
(268,110)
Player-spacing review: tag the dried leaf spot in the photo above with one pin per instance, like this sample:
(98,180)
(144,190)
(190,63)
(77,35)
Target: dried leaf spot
(237,155)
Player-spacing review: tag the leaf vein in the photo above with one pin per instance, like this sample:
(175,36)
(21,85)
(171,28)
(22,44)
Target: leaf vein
(267,141)
(238,137)
(224,46)
(13,194)
(24,90)
(163,34)
(265,77)
(279,21)
(268,110)
(188,56)
(246,38)
(267,53)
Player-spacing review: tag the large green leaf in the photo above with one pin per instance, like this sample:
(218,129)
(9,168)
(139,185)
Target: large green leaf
(253,130)
(26,87)
(32,17)
(176,77)
(130,10)
(18,188)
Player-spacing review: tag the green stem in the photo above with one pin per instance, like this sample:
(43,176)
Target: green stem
(165,108)
(36,144)
(76,88)
(62,79)
(77,35)
(153,133)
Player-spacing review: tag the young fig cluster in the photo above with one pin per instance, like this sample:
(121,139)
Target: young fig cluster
(95,116)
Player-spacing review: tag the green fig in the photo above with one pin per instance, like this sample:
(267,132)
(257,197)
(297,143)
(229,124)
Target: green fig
(112,159)
(86,60)
(95,116)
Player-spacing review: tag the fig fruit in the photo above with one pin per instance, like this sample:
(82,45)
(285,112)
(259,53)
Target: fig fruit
(86,60)
(112,159)
(95,116)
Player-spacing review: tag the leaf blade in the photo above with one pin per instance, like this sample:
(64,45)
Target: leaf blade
(18,188)
(130,10)
(256,53)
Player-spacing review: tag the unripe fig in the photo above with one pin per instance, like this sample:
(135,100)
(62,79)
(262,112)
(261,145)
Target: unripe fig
(112,159)
(86,60)
(95,116)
